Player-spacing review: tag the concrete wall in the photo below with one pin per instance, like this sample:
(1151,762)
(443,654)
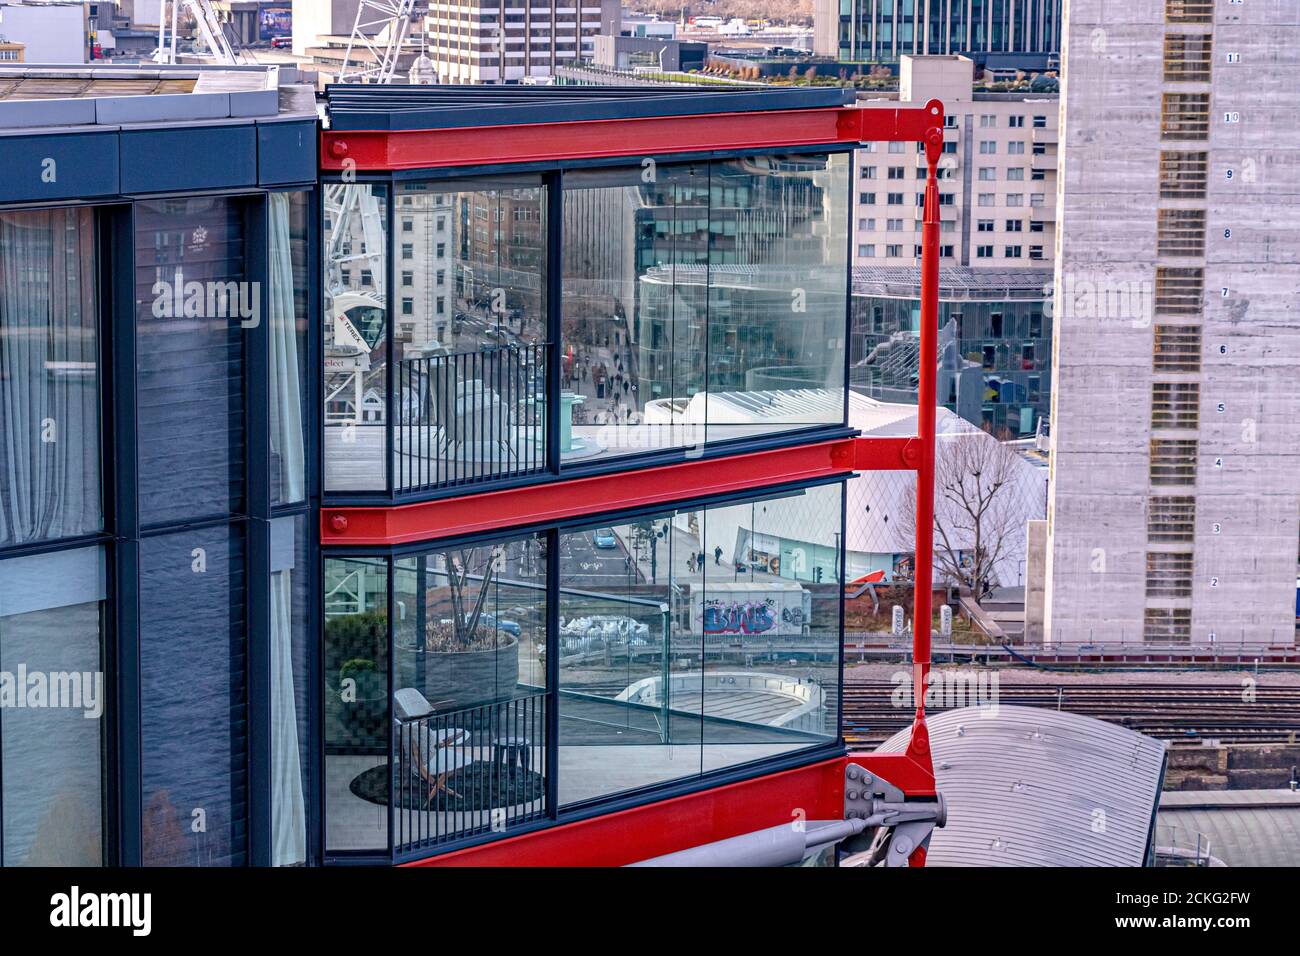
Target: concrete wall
(1246,487)
(51,33)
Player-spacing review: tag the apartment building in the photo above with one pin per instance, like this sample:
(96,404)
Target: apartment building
(998,176)
(884,30)
(1175,446)
(469,41)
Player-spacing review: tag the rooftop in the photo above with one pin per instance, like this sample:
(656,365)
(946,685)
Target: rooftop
(58,95)
(411,107)
(955,282)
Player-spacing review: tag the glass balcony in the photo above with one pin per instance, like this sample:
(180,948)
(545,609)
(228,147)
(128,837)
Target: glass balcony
(698,304)
(536,673)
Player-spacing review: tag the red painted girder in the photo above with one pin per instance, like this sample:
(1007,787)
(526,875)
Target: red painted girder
(814,792)
(376,150)
(553,501)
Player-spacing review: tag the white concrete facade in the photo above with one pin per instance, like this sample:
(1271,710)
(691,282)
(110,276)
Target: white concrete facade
(997,176)
(1175,500)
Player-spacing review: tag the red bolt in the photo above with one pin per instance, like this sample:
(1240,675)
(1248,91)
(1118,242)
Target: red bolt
(339,523)
(338,148)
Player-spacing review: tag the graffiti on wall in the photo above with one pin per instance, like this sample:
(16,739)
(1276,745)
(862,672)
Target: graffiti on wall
(739,617)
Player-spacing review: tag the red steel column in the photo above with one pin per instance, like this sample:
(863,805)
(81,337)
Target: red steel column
(923,562)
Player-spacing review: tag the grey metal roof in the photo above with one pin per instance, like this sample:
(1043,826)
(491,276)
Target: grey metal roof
(362,106)
(1241,827)
(955,282)
(1031,787)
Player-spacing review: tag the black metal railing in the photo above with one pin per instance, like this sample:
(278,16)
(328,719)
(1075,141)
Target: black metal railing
(464,772)
(469,417)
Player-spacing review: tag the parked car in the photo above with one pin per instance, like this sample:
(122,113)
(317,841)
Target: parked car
(280,43)
(604,538)
(510,627)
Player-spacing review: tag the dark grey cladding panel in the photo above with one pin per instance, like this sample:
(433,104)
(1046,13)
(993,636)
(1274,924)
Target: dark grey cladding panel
(286,152)
(59,166)
(196,157)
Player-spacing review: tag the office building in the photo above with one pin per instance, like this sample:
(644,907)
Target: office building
(1176,368)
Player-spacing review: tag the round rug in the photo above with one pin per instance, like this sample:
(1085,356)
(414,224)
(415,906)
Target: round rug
(477,786)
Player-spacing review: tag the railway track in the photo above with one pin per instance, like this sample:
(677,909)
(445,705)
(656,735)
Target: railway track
(1191,713)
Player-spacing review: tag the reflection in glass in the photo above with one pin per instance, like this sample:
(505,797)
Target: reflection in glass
(49,376)
(356,310)
(191,302)
(287,276)
(702,302)
(290,700)
(356,704)
(194,702)
(471,330)
(51,770)
(470,703)
(696,640)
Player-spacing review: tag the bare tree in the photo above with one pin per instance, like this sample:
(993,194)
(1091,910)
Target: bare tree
(470,573)
(977,518)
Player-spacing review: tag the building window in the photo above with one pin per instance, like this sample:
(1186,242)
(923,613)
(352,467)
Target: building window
(893,225)
(1016,122)
(866,251)
(1183,175)
(895,199)
(984,225)
(1015,199)
(988,173)
(1177,348)
(984,252)
(1173,461)
(893,251)
(1167,625)
(1180,232)
(988,147)
(1040,122)
(1185,116)
(1175,404)
(1016,147)
(1015,225)
(1187,57)
(1179,291)
(1016,174)
(868,172)
(1036,252)
(49,374)
(1012,252)
(985,199)
(52,777)
(867,199)
(1189,11)
(988,120)
(896,172)
(1171,519)
(1169,574)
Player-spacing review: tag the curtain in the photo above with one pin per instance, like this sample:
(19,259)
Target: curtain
(49,382)
(286,384)
(288,803)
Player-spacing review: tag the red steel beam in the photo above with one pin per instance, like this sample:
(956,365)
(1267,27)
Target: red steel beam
(377,150)
(555,501)
(814,792)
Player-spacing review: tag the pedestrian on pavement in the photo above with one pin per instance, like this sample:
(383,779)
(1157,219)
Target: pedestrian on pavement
(690,564)
(717,555)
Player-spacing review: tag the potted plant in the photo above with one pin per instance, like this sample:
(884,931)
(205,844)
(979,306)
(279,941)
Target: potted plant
(466,656)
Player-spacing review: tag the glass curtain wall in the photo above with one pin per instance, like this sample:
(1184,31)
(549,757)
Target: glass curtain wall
(470,320)
(52,603)
(685,646)
(703,302)
(356,315)
(193,298)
